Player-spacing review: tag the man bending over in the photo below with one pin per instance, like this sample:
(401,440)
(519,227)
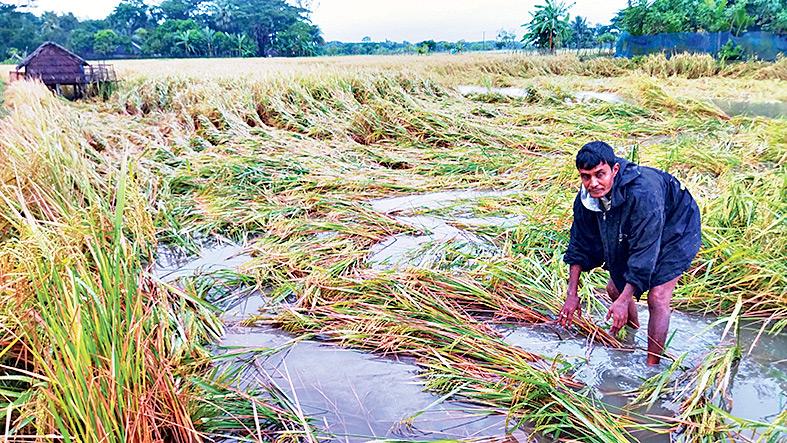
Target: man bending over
(643,226)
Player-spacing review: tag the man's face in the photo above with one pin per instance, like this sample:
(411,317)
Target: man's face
(598,181)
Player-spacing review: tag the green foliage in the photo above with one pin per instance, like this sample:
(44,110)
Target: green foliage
(581,34)
(161,40)
(730,51)
(57,27)
(265,22)
(661,16)
(429,45)
(739,18)
(239,44)
(299,40)
(388,47)
(18,30)
(548,27)
(129,16)
(81,41)
(668,16)
(189,41)
(175,28)
(178,9)
(768,15)
(712,15)
(106,42)
(606,38)
(505,39)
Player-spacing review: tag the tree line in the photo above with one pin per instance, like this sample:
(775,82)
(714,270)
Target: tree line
(645,17)
(262,28)
(550,26)
(173,28)
(224,28)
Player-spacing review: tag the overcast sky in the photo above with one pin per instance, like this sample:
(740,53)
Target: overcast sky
(412,20)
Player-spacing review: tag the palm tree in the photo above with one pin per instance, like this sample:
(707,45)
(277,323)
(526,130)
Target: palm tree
(548,25)
(210,39)
(241,40)
(50,23)
(580,29)
(186,40)
(223,13)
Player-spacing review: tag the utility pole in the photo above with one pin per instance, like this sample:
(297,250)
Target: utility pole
(483,44)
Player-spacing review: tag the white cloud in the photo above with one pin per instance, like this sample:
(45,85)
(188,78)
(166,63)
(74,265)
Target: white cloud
(413,20)
(81,8)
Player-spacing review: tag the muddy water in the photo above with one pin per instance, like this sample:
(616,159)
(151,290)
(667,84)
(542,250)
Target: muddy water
(171,266)
(483,90)
(753,109)
(591,96)
(775,109)
(357,396)
(578,97)
(351,395)
(435,232)
(759,390)
(423,250)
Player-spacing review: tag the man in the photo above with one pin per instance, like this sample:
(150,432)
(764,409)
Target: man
(643,226)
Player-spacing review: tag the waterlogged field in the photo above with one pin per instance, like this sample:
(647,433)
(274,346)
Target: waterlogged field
(370,248)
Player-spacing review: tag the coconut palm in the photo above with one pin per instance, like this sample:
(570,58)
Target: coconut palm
(548,25)
(50,23)
(581,32)
(223,13)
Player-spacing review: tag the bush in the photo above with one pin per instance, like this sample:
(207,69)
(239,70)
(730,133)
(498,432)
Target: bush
(730,51)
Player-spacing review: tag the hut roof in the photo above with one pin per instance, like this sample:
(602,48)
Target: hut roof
(61,49)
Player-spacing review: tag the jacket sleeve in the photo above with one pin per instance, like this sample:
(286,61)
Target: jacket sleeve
(584,247)
(647,223)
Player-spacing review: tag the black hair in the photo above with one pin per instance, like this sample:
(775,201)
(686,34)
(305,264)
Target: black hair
(594,154)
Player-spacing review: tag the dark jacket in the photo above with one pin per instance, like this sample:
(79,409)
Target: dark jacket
(649,235)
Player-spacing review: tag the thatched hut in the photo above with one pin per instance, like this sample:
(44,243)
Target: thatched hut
(56,67)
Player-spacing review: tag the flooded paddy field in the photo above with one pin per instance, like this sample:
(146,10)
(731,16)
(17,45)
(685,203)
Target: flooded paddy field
(357,396)
(340,252)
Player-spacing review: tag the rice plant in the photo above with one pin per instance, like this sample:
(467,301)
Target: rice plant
(285,159)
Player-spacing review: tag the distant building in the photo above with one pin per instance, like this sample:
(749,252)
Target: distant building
(57,67)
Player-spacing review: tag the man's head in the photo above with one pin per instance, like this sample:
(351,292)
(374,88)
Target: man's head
(597,167)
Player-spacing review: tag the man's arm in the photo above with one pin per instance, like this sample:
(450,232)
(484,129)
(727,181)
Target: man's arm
(583,254)
(572,297)
(584,245)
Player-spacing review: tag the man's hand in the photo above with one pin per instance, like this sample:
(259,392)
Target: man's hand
(619,312)
(567,313)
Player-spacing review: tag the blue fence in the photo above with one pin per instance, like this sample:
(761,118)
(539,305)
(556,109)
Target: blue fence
(762,45)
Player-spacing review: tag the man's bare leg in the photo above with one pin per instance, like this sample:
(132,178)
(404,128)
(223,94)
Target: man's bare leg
(659,298)
(613,293)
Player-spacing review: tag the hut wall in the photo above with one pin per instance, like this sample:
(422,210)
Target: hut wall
(53,67)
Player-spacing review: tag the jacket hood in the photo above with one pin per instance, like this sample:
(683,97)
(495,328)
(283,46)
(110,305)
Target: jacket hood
(628,172)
